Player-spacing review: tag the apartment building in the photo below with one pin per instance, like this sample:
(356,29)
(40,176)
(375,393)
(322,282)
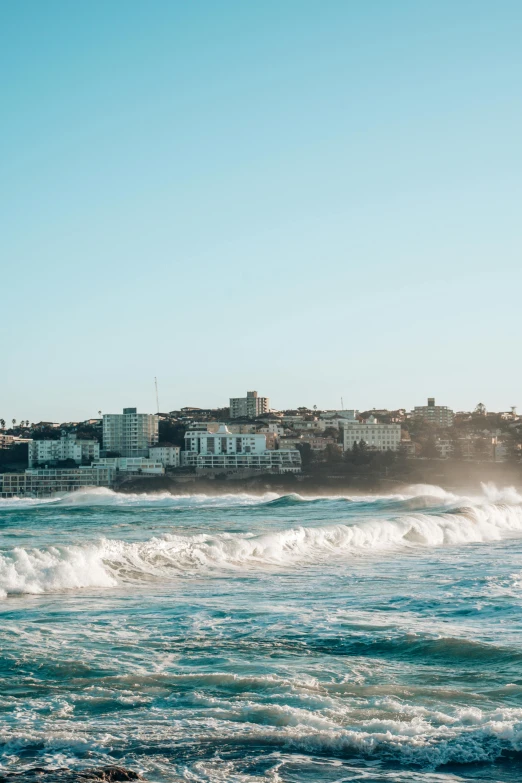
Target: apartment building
(169,456)
(223,441)
(130,434)
(248,407)
(382,437)
(224,450)
(83,451)
(436,415)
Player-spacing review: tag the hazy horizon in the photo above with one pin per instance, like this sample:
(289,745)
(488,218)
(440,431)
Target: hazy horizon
(151,408)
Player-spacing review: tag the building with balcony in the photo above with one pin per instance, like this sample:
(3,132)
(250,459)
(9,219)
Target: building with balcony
(83,451)
(45,482)
(229,452)
(130,434)
(133,465)
(248,407)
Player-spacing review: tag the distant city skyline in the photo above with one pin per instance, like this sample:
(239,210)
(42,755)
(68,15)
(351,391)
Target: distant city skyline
(312,200)
(116,409)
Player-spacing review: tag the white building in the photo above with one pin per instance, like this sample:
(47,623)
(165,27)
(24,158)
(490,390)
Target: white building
(222,441)
(130,434)
(169,456)
(42,482)
(81,450)
(437,415)
(248,407)
(132,465)
(272,427)
(226,451)
(382,437)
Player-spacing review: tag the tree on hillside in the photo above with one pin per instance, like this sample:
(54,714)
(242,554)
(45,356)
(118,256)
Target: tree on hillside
(429,448)
(307,456)
(331,432)
(359,454)
(172,432)
(483,449)
(332,454)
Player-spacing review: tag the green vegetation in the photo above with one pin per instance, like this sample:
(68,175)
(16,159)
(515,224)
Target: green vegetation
(360,461)
(14,458)
(172,432)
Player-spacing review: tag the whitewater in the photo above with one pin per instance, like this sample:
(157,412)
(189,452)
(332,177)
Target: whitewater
(270,638)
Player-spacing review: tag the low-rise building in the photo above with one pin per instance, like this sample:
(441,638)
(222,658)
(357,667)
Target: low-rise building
(381,437)
(168,455)
(273,427)
(269,461)
(80,450)
(43,482)
(224,450)
(133,465)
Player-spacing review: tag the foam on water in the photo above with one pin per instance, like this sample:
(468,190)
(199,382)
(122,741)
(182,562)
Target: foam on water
(263,638)
(107,561)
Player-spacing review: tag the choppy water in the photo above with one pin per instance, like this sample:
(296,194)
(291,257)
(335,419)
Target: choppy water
(240,638)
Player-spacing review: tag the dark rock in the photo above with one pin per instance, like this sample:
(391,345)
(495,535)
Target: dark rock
(110,774)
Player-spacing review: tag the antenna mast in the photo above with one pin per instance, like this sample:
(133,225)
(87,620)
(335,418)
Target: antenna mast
(342,405)
(157,398)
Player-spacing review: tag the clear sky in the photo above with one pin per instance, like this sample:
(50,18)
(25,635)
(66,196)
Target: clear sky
(310,199)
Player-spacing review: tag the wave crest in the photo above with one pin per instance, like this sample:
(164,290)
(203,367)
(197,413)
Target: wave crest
(109,561)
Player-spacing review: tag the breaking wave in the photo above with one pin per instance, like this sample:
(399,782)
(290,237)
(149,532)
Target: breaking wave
(107,562)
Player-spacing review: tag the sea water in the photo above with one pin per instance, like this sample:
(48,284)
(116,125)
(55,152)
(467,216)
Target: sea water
(263,638)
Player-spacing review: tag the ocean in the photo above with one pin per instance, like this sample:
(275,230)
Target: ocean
(245,638)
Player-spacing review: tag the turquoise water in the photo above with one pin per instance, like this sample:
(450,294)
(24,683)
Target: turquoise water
(243,638)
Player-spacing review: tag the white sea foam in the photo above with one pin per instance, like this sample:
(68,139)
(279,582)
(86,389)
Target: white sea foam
(412,735)
(108,561)
(102,496)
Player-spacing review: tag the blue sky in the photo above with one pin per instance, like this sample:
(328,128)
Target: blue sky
(309,199)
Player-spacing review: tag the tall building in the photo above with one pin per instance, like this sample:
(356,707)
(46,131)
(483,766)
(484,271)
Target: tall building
(248,407)
(130,434)
(382,437)
(437,415)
